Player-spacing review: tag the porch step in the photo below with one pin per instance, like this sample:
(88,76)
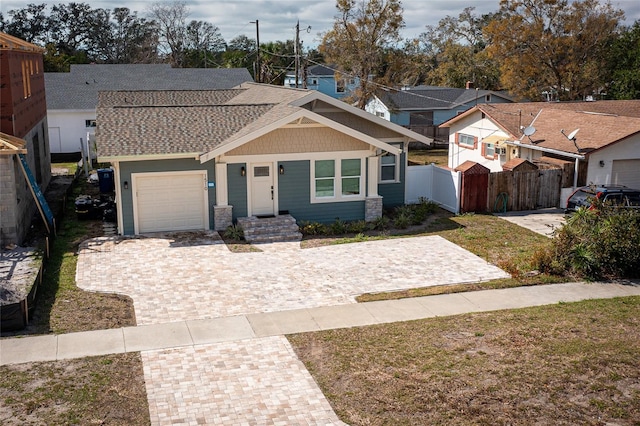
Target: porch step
(280,228)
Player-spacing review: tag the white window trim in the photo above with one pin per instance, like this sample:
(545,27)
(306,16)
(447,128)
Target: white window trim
(337,188)
(396,177)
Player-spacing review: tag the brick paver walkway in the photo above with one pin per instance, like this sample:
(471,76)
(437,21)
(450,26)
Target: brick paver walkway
(261,381)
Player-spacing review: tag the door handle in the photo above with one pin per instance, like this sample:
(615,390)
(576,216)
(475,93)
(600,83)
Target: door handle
(272,192)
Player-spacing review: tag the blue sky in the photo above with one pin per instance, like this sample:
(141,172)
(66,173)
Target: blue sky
(277,18)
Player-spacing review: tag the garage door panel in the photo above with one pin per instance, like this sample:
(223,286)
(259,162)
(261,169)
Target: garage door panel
(172,202)
(626,172)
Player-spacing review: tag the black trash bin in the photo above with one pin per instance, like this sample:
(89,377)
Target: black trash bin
(105,180)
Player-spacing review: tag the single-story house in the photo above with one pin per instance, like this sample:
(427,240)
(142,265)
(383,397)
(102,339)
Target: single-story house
(325,79)
(601,138)
(424,108)
(201,159)
(72,96)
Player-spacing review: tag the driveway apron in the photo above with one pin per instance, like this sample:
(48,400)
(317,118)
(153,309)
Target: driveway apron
(178,277)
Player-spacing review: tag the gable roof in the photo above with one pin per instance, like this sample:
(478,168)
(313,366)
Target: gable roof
(422,98)
(78,89)
(601,123)
(208,123)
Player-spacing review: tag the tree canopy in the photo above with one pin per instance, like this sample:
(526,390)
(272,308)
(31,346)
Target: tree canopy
(553,46)
(535,49)
(361,32)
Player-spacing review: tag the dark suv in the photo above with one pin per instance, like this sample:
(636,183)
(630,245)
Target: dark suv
(615,195)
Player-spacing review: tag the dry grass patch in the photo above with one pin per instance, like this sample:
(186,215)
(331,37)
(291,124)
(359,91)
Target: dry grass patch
(437,156)
(105,390)
(563,364)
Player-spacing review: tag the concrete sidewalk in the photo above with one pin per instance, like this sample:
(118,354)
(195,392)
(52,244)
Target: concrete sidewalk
(195,333)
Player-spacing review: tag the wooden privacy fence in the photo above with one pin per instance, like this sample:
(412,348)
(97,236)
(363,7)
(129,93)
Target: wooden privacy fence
(527,190)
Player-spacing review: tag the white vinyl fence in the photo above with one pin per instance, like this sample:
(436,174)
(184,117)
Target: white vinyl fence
(434,183)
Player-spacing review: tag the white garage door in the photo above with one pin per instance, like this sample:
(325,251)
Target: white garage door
(169,201)
(626,172)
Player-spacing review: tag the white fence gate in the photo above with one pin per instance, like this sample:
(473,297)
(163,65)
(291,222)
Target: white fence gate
(434,183)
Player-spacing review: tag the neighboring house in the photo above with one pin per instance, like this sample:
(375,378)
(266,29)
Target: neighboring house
(23,124)
(424,108)
(201,159)
(327,80)
(605,150)
(72,97)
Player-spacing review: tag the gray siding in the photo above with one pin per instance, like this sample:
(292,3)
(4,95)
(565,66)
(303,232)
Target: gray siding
(129,167)
(237,185)
(294,197)
(393,193)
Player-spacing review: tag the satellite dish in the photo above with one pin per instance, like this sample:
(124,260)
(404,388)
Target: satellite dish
(529,130)
(573,134)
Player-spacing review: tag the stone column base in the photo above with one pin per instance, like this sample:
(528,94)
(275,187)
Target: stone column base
(372,208)
(222,217)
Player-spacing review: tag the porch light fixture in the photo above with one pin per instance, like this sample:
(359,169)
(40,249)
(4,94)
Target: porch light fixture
(243,171)
(281,169)
(601,163)
(126,184)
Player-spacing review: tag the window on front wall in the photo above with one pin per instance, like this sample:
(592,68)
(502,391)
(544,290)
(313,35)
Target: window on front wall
(489,150)
(325,175)
(90,123)
(350,173)
(388,167)
(340,85)
(466,141)
(337,180)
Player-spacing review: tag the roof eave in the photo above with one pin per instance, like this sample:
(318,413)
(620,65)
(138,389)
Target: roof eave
(147,157)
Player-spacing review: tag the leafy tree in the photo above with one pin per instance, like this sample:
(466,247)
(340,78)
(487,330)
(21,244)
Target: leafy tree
(457,50)
(624,62)
(30,24)
(133,39)
(361,32)
(203,44)
(240,53)
(552,45)
(276,59)
(73,26)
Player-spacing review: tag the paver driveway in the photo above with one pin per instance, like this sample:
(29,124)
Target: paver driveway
(259,381)
(173,281)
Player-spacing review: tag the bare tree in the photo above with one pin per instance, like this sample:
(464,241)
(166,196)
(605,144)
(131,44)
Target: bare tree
(171,21)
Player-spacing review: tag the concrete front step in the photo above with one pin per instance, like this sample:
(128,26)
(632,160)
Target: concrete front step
(281,228)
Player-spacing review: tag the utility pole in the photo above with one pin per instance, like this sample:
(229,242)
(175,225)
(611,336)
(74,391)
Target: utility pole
(257,73)
(297,52)
(297,55)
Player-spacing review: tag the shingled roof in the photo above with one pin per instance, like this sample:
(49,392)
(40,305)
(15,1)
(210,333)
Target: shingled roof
(422,98)
(78,89)
(601,123)
(193,123)
(134,123)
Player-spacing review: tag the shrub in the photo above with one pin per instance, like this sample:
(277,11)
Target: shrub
(357,226)
(234,232)
(402,221)
(338,227)
(312,228)
(596,244)
(380,223)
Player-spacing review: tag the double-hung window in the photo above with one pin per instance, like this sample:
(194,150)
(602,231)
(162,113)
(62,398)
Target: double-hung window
(489,150)
(336,180)
(389,166)
(325,179)
(350,175)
